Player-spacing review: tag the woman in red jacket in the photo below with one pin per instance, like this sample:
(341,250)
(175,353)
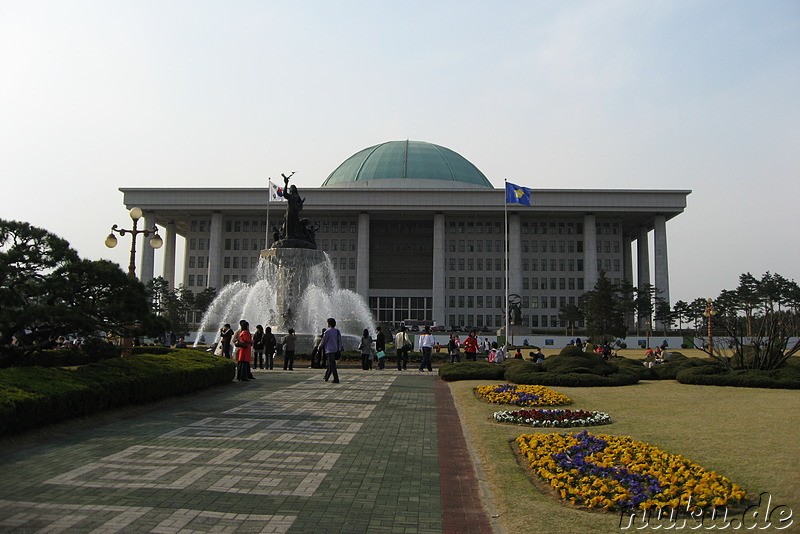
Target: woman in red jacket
(244,342)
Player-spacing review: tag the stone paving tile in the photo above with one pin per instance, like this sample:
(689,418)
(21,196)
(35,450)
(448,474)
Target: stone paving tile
(285,453)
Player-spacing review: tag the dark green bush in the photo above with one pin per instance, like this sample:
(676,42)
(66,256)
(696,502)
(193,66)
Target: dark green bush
(92,350)
(571,359)
(153,350)
(452,372)
(35,396)
(535,374)
(786,377)
(525,372)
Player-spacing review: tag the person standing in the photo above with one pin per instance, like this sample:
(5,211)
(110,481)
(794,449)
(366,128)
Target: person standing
(289,343)
(270,344)
(380,346)
(453,350)
(402,344)
(225,336)
(258,347)
(471,347)
(366,351)
(244,343)
(332,346)
(426,343)
(317,356)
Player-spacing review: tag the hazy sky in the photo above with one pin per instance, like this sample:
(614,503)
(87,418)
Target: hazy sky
(700,95)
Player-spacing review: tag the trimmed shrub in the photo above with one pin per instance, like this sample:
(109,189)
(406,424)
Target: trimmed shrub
(535,374)
(35,396)
(571,359)
(786,377)
(452,372)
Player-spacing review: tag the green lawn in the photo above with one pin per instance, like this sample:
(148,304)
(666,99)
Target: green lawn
(748,435)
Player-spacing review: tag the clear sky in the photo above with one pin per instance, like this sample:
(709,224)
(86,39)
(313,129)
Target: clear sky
(700,95)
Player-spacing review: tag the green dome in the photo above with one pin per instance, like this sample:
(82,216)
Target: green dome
(406,164)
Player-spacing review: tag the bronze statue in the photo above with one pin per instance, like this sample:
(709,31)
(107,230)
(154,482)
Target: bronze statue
(294,232)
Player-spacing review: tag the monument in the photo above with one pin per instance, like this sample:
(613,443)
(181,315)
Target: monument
(295,286)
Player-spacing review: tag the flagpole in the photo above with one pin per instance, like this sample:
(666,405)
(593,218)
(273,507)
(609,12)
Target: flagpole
(508,311)
(269,201)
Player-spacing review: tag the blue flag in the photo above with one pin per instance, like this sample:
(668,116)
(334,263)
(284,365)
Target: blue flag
(516,194)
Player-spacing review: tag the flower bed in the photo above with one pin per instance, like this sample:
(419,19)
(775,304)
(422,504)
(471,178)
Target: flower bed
(553,418)
(618,473)
(521,395)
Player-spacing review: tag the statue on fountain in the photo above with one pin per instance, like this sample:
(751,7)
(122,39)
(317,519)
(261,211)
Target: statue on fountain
(294,232)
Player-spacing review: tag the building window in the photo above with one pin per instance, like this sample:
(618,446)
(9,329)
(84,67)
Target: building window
(191,280)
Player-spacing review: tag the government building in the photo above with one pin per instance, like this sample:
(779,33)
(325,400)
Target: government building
(418,231)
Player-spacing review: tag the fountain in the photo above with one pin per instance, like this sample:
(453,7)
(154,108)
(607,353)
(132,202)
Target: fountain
(295,287)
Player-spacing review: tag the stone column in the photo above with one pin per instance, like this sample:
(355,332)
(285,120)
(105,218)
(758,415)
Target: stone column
(661,263)
(439,274)
(589,251)
(215,252)
(627,258)
(514,254)
(627,267)
(643,258)
(362,257)
(169,254)
(148,257)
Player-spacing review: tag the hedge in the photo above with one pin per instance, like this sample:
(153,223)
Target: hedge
(529,373)
(452,372)
(787,377)
(31,397)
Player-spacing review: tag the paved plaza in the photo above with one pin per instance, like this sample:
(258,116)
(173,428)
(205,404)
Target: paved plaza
(288,452)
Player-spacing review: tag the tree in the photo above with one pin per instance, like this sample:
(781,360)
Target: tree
(663,313)
(603,308)
(28,258)
(762,339)
(680,312)
(178,306)
(569,315)
(47,291)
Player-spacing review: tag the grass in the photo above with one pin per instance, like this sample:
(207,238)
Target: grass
(745,434)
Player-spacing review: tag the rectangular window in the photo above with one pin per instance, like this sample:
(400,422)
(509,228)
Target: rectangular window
(236,262)
(191,280)
(191,262)
(534,283)
(479,283)
(226,262)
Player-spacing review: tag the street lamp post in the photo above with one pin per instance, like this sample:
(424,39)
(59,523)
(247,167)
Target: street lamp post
(710,313)
(111,242)
(155,241)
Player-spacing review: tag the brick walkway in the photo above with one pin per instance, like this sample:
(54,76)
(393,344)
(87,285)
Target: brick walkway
(285,453)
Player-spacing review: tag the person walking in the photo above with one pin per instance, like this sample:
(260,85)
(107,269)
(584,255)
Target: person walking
(403,345)
(471,347)
(366,351)
(380,348)
(289,343)
(244,342)
(426,343)
(258,347)
(332,346)
(225,336)
(270,344)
